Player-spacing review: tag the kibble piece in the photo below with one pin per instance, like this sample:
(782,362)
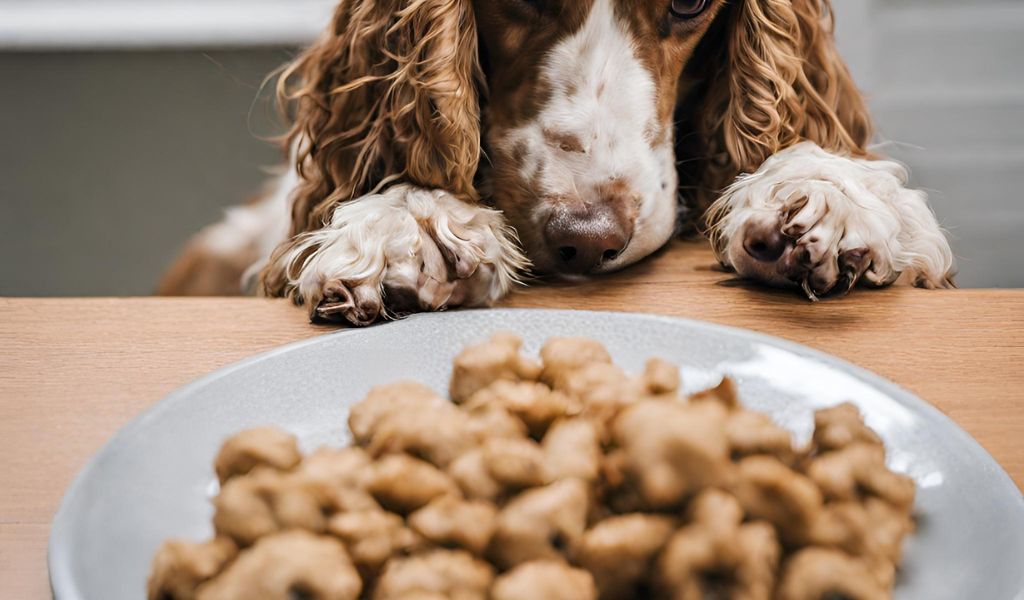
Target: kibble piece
(619,551)
(535,404)
(338,476)
(371,536)
(753,433)
(849,472)
(403,484)
(572,448)
(449,521)
(767,489)
(822,574)
(540,523)
(438,434)
(661,377)
(544,580)
(180,567)
(479,366)
(672,450)
(515,462)
(603,390)
(872,529)
(719,556)
(452,574)
(264,501)
(261,446)
(470,472)
(492,421)
(840,426)
(387,399)
(283,565)
(562,356)
(724,394)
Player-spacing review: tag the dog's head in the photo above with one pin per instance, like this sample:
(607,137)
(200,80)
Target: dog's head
(583,120)
(579,122)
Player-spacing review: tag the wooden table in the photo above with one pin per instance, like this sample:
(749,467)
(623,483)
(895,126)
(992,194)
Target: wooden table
(72,371)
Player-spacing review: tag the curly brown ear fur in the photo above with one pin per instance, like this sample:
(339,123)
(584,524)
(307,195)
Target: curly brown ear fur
(388,93)
(783,82)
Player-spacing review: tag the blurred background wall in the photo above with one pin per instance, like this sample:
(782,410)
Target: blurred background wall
(126,126)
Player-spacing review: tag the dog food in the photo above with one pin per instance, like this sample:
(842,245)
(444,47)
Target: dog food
(563,478)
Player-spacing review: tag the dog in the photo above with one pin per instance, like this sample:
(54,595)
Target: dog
(441,149)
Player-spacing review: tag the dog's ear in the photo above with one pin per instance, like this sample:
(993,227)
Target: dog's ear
(388,93)
(782,82)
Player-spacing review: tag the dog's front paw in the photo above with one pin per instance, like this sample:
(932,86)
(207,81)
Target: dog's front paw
(824,222)
(404,250)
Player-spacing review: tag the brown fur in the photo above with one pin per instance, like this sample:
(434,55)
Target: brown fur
(389,92)
(783,82)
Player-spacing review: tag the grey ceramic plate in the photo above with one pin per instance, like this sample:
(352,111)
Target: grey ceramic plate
(153,480)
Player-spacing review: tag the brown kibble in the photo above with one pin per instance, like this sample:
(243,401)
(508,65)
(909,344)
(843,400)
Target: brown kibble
(470,472)
(820,574)
(571,479)
(562,356)
(724,393)
(262,502)
(619,551)
(479,366)
(858,469)
(540,523)
(572,448)
(544,580)
(403,484)
(384,400)
(672,450)
(753,433)
(491,421)
(180,567)
(767,489)
(603,390)
(339,477)
(535,404)
(281,564)
(839,426)
(371,536)
(449,521)
(436,434)
(516,463)
(661,377)
(261,446)
(719,554)
(454,574)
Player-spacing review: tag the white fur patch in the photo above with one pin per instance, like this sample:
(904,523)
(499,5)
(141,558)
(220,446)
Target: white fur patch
(837,204)
(603,96)
(446,251)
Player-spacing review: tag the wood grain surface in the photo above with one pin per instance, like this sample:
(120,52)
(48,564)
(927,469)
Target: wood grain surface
(73,370)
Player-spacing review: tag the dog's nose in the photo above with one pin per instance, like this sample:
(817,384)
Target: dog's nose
(764,242)
(582,240)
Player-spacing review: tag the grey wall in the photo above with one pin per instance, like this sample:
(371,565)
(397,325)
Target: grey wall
(109,160)
(945,81)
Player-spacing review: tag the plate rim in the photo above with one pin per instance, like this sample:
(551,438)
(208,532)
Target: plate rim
(62,585)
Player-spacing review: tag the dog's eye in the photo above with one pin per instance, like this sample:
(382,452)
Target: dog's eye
(687,9)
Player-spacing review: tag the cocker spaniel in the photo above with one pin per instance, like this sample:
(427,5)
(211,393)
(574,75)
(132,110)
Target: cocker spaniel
(439,149)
